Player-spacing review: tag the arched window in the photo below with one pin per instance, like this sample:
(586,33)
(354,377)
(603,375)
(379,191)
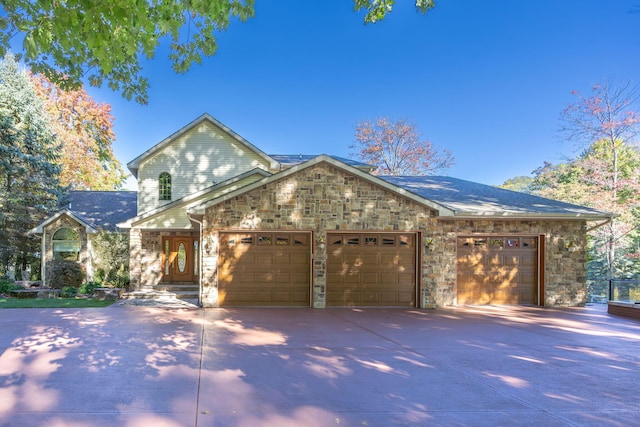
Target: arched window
(164,186)
(66,244)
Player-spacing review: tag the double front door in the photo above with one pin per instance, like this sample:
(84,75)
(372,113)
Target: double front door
(180,261)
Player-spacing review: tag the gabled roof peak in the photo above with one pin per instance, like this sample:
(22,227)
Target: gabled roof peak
(134,165)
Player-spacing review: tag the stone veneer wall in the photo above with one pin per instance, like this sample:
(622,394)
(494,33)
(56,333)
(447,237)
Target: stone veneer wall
(318,199)
(565,272)
(324,198)
(64,222)
(145,256)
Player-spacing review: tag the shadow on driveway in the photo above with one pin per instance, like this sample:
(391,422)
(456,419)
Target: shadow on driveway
(142,366)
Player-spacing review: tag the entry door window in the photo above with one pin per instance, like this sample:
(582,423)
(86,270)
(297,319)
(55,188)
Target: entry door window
(179,259)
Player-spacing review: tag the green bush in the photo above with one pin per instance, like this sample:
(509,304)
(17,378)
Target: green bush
(66,273)
(87,288)
(68,292)
(7,285)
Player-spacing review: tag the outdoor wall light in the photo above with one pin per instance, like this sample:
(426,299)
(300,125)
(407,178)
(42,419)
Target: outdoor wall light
(572,247)
(428,244)
(321,242)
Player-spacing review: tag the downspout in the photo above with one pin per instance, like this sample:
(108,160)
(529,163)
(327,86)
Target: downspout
(43,258)
(600,225)
(199,257)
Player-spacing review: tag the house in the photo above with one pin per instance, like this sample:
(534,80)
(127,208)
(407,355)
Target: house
(68,233)
(245,228)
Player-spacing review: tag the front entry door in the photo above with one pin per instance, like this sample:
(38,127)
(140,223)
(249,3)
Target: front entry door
(179,259)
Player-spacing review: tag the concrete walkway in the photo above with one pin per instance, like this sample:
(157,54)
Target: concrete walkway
(469,366)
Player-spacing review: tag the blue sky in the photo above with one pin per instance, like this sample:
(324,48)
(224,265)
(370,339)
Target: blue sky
(485,79)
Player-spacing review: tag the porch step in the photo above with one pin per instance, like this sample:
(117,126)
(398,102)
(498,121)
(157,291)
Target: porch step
(186,291)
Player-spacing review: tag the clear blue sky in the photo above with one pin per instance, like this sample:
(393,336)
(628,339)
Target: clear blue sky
(485,79)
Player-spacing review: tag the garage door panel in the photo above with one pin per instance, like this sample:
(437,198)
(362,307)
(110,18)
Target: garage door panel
(387,278)
(261,259)
(264,269)
(405,279)
(370,269)
(370,278)
(497,270)
(352,278)
(300,260)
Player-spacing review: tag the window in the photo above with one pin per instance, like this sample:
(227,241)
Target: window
(164,186)
(66,244)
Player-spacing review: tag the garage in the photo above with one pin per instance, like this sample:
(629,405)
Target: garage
(264,269)
(371,269)
(497,270)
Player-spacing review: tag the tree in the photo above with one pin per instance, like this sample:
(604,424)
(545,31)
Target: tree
(397,148)
(29,186)
(521,184)
(71,41)
(84,129)
(377,10)
(606,124)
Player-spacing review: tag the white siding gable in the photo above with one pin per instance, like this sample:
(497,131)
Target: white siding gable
(197,159)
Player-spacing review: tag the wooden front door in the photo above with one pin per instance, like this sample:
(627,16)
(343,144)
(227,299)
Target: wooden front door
(180,259)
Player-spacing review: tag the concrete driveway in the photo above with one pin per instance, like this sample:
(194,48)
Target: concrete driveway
(468,366)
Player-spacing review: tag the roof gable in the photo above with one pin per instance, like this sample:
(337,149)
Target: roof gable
(443,211)
(134,165)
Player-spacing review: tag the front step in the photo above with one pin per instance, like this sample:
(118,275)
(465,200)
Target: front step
(188,292)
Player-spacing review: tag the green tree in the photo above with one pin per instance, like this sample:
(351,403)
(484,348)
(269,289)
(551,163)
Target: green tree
(396,147)
(521,184)
(377,10)
(71,41)
(84,129)
(29,186)
(104,41)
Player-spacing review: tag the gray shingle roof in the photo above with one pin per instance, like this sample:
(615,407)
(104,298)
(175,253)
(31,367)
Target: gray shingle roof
(102,209)
(474,199)
(295,159)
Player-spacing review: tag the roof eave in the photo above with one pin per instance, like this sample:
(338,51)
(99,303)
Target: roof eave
(189,198)
(533,216)
(89,229)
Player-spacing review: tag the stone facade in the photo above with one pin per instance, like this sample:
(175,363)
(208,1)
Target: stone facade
(84,258)
(145,256)
(324,198)
(564,271)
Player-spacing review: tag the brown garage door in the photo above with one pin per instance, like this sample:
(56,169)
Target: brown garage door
(371,269)
(264,269)
(497,270)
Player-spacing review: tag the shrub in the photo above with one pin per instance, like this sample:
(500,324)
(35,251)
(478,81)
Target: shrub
(118,278)
(87,288)
(7,286)
(68,292)
(111,258)
(66,273)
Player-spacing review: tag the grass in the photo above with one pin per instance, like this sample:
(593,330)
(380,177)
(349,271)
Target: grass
(52,303)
